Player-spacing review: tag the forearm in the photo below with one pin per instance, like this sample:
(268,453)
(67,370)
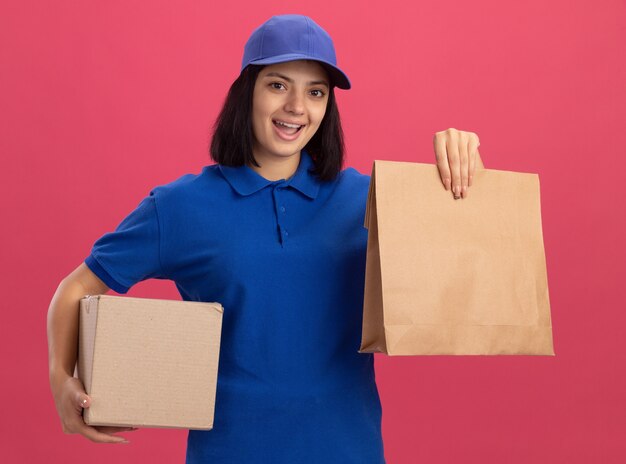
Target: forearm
(63,330)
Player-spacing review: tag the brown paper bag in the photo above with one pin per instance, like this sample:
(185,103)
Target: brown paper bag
(454,277)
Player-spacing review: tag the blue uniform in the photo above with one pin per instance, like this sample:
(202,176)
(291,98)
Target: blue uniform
(286,259)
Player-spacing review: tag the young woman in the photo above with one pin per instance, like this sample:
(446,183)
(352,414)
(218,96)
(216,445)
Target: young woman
(273,231)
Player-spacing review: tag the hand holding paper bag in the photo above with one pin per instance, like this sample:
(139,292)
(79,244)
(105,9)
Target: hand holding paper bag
(457,157)
(450,277)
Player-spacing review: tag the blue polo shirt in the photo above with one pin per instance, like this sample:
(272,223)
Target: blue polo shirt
(286,259)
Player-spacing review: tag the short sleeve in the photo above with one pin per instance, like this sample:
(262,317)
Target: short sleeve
(131,253)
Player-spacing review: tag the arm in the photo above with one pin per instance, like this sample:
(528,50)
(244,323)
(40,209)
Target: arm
(63,320)
(68,391)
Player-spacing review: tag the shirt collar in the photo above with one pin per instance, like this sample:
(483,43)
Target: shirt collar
(246,181)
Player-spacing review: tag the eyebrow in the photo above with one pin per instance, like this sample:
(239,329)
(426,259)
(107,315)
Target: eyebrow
(288,79)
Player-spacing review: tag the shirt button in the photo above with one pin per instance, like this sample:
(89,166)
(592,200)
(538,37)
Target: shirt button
(286,233)
(282,208)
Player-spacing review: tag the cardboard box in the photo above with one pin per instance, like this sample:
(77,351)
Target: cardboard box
(149,362)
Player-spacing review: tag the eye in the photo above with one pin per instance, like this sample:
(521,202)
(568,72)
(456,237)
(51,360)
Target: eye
(276,83)
(320,93)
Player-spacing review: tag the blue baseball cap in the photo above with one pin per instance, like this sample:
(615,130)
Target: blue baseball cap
(293,37)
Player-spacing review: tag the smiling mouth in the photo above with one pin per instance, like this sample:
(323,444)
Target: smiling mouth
(289,129)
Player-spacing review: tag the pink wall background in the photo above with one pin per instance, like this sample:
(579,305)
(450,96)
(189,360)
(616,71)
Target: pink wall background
(101,101)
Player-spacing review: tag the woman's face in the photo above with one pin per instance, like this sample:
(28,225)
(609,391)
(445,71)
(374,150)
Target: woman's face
(293,93)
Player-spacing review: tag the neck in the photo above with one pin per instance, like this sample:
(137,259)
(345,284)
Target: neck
(276,167)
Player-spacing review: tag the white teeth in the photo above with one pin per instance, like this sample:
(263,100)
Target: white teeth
(293,126)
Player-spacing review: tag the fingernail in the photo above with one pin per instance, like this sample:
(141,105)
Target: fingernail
(446,183)
(83,403)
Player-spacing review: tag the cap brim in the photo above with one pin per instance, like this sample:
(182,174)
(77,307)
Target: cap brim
(338,77)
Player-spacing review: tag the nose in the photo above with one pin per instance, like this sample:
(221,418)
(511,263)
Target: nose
(295,103)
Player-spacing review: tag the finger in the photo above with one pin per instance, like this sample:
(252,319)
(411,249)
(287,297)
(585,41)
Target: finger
(110,430)
(464,162)
(452,148)
(442,161)
(99,437)
(479,160)
(472,151)
(81,400)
